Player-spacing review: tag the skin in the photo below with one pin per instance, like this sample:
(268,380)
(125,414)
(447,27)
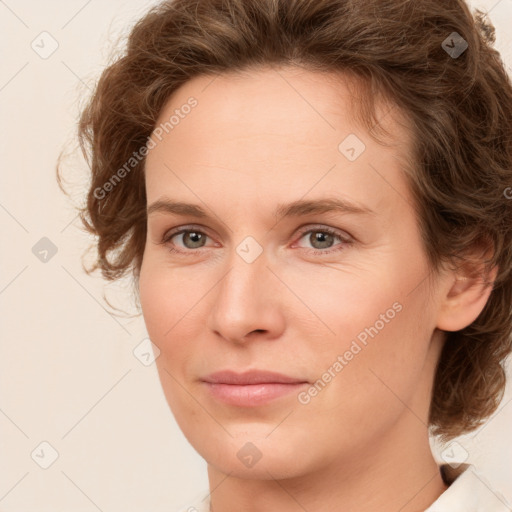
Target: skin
(254,141)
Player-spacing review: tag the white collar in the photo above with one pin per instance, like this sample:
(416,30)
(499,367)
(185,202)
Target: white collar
(469,491)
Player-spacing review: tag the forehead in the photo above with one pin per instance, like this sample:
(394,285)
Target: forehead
(280,100)
(272,131)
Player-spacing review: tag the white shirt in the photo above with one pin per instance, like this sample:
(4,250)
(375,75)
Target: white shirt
(468,491)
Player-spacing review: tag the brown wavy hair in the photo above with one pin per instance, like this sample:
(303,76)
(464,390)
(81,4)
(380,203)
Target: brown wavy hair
(459,108)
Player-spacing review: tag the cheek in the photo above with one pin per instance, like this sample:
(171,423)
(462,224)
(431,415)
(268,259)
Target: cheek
(378,337)
(161,302)
(173,302)
(342,306)
(378,365)
(164,304)
(166,295)
(154,302)
(366,388)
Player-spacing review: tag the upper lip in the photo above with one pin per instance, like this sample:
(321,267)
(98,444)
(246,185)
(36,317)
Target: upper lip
(250,377)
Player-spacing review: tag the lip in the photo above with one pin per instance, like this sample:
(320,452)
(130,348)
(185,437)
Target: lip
(251,388)
(250,377)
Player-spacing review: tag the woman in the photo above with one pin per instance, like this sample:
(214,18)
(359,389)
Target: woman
(313,198)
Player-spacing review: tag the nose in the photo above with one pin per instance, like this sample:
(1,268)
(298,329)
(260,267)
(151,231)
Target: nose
(248,302)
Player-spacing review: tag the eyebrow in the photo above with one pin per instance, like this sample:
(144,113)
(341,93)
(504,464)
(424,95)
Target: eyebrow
(297,208)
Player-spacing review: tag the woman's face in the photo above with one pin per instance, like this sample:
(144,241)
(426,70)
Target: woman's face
(336,299)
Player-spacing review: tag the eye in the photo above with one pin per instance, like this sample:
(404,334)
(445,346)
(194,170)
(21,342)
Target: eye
(191,238)
(323,238)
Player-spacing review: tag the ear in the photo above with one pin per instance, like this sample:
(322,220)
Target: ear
(465,298)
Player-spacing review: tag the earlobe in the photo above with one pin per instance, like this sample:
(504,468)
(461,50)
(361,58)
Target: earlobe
(465,300)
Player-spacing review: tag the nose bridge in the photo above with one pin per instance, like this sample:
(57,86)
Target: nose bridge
(246,295)
(248,269)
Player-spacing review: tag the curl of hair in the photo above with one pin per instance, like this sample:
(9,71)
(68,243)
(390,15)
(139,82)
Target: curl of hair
(459,110)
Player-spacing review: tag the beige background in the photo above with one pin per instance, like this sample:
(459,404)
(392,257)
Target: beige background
(67,370)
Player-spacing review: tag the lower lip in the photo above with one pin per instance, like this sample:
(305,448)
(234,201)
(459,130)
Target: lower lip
(251,395)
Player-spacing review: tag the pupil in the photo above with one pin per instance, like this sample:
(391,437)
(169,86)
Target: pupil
(322,238)
(195,237)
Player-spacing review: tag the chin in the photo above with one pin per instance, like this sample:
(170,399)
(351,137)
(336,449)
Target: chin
(251,453)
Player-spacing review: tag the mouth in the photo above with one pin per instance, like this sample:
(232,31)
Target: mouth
(252,388)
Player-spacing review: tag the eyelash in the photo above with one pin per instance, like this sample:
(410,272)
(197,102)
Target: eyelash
(316,252)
